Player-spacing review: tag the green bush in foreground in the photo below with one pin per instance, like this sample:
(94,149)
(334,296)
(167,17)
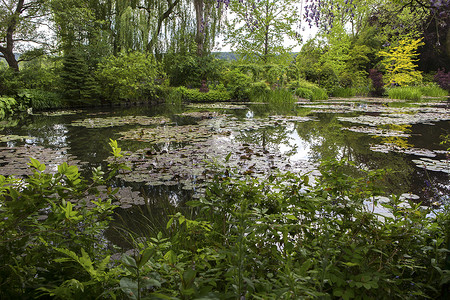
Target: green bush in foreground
(273,238)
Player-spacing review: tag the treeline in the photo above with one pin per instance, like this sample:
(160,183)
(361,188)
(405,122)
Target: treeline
(89,52)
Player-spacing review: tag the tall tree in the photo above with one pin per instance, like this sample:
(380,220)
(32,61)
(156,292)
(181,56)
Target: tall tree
(258,28)
(20,21)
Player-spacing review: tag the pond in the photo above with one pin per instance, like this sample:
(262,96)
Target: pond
(171,148)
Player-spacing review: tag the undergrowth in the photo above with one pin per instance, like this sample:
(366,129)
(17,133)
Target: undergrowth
(274,238)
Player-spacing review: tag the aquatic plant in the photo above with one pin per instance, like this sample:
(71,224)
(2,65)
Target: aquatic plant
(405,93)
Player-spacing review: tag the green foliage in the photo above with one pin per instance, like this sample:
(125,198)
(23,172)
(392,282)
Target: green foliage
(405,93)
(10,82)
(399,63)
(189,69)
(190,95)
(274,238)
(78,86)
(39,99)
(260,39)
(308,90)
(433,90)
(45,221)
(343,92)
(129,76)
(8,106)
(238,84)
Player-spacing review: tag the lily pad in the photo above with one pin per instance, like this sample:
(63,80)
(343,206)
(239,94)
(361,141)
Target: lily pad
(120,121)
(16,159)
(435,165)
(13,137)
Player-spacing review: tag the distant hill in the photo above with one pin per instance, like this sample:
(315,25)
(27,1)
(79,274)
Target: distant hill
(225,55)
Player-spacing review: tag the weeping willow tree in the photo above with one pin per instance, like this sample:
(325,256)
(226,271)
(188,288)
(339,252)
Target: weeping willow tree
(151,26)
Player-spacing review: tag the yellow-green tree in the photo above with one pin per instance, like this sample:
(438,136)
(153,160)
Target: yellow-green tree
(399,63)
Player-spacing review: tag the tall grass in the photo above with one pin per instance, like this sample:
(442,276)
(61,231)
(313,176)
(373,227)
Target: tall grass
(405,93)
(341,92)
(433,91)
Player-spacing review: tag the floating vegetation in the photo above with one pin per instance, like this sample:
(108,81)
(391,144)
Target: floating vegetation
(385,148)
(191,166)
(377,131)
(429,164)
(59,113)
(217,106)
(121,121)
(16,159)
(13,137)
(176,134)
(125,197)
(397,119)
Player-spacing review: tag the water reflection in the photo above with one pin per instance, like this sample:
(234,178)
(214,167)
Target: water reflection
(311,141)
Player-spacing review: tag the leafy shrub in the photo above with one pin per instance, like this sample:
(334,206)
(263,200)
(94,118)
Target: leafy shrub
(238,84)
(319,94)
(443,79)
(51,239)
(189,69)
(7,106)
(130,76)
(39,99)
(259,88)
(304,93)
(9,82)
(316,93)
(273,238)
(405,93)
(190,95)
(377,82)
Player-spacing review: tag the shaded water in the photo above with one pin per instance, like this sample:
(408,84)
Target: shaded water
(291,138)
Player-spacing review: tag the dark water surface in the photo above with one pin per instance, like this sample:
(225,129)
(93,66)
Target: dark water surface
(301,142)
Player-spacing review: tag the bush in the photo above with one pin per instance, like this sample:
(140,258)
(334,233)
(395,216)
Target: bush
(319,94)
(303,93)
(443,79)
(7,106)
(238,84)
(128,77)
(405,93)
(190,95)
(377,82)
(52,238)
(274,238)
(315,92)
(259,89)
(41,100)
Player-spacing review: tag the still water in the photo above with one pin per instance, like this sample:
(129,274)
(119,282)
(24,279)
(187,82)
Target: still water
(172,146)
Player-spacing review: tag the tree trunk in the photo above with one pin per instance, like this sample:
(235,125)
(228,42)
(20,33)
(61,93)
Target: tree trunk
(199,38)
(170,7)
(8,51)
(447,43)
(266,36)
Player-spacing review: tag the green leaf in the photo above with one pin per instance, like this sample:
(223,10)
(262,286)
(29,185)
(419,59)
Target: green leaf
(129,261)
(146,255)
(36,164)
(171,257)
